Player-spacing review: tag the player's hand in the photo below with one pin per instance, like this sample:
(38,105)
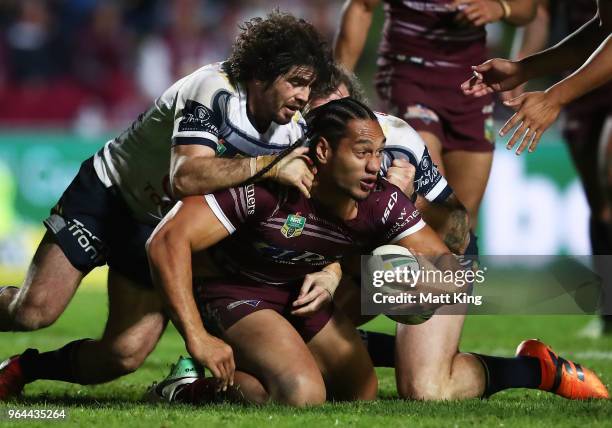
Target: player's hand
(535,112)
(296,169)
(401,173)
(317,291)
(217,356)
(478,12)
(494,75)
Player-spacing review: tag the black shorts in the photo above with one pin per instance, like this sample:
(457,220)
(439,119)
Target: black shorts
(93,226)
(223,302)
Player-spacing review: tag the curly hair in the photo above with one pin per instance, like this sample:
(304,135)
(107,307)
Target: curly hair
(268,48)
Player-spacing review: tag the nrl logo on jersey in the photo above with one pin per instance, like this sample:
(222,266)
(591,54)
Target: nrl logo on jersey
(293,226)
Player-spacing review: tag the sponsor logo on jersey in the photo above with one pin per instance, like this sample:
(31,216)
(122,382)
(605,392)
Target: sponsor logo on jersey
(250,199)
(390,205)
(252,303)
(420,112)
(293,225)
(198,118)
(287,256)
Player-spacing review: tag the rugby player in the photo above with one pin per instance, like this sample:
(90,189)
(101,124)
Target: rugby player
(185,144)
(435,199)
(426,51)
(278,237)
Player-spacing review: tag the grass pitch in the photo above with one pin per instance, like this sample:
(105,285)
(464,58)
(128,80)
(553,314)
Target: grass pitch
(119,403)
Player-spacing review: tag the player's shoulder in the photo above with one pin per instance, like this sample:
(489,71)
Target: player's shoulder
(400,134)
(207,81)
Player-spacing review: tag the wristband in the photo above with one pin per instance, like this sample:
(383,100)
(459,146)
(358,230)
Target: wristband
(506,7)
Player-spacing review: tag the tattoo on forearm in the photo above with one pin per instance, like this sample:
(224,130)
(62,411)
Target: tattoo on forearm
(456,231)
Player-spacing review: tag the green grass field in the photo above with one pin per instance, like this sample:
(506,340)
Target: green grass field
(119,403)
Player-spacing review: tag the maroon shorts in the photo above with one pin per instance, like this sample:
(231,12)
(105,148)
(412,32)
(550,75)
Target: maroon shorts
(430,99)
(223,302)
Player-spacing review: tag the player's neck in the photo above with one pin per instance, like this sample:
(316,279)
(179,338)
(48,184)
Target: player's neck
(337,202)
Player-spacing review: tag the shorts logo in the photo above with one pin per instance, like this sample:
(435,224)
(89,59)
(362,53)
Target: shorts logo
(86,240)
(198,118)
(293,225)
(252,303)
(420,112)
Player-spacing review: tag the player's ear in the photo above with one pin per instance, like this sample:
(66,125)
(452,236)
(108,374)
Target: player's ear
(322,151)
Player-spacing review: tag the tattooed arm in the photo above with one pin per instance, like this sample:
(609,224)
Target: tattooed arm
(449,219)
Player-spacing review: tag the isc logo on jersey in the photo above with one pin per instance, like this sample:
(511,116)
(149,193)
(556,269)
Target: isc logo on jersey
(390,205)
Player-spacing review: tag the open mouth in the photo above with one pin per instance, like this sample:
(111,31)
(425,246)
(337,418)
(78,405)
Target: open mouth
(368,184)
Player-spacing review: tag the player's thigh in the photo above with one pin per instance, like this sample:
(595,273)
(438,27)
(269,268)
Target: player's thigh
(426,351)
(136,318)
(50,283)
(467,172)
(267,346)
(344,361)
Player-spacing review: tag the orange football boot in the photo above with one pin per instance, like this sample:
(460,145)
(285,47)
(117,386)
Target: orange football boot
(561,376)
(11,378)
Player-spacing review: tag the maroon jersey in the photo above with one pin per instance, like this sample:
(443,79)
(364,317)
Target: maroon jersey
(425,30)
(279,236)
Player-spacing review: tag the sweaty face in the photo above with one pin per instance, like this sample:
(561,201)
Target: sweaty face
(355,163)
(288,93)
(340,92)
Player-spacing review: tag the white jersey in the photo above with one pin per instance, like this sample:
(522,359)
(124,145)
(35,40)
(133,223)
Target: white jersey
(202,108)
(403,142)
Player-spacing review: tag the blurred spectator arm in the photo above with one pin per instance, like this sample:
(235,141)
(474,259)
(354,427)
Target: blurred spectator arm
(353,32)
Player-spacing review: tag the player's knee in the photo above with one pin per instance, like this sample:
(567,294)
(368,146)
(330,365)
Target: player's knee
(301,390)
(422,388)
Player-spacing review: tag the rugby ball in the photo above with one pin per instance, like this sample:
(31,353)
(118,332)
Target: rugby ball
(397,257)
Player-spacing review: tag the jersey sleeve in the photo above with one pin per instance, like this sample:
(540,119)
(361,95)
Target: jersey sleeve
(403,142)
(396,216)
(242,205)
(200,107)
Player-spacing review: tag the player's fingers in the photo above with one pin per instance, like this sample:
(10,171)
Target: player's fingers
(516,136)
(534,142)
(525,139)
(511,123)
(481,68)
(302,189)
(300,151)
(306,285)
(309,309)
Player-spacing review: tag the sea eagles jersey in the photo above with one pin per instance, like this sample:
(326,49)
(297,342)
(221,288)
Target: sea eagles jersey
(425,32)
(403,142)
(201,108)
(279,235)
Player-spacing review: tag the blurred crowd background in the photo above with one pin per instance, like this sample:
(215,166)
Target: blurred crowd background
(95,64)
